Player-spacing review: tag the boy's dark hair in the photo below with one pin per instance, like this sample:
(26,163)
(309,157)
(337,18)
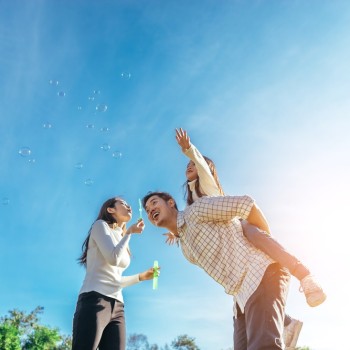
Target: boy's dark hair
(164,195)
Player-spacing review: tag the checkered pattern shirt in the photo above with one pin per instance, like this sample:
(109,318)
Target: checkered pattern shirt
(211,237)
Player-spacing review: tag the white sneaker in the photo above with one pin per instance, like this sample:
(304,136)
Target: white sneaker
(291,333)
(312,290)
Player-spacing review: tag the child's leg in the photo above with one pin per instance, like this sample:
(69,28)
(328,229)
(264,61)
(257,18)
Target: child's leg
(263,241)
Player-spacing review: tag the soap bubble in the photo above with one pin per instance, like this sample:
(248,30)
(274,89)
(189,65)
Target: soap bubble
(125,75)
(117,154)
(104,129)
(105,147)
(101,108)
(53,82)
(90,126)
(91,98)
(80,108)
(5,201)
(78,165)
(89,182)
(31,160)
(47,125)
(25,151)
(61,93)
(96,92)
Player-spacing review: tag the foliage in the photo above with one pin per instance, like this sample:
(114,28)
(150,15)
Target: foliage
(21,331)
(140,342)
(42,338)
(9,337)
(184,342)
(137,342)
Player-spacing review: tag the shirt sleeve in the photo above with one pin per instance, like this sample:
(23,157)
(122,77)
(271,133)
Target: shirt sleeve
(127,281)
(222,208)
(101,234)
(207,181)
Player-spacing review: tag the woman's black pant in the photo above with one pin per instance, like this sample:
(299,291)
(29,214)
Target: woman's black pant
(98,323)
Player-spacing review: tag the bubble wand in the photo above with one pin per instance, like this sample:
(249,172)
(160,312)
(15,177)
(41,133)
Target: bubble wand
(140,210)
(155,274)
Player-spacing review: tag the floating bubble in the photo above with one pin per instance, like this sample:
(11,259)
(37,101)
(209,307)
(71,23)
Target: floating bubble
(47,125)
(78,166)
(61,93)
(5,201)
(90,126)
(25,151)
(96,92)
(125,75)
(91,98)
(80,108)
(89,182)
(53,82)
(101,108)
(105,129)
(117,154)
(105,147)
(31,160)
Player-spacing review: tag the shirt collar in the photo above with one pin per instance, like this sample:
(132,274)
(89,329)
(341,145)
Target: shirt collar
(192,185)
(180,222)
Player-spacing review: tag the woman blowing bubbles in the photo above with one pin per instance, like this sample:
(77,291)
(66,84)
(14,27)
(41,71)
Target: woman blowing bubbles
(99,316)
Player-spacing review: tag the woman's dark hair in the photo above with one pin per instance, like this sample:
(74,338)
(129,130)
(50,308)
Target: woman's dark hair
(188,193)
(103,215)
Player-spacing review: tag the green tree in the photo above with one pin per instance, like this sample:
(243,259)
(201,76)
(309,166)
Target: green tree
(21,331)
(9,337)
(43,338)
(184,342)
(137,342)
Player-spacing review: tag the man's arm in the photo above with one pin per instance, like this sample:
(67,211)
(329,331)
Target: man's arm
(223,208)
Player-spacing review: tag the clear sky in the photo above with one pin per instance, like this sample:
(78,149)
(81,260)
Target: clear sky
(90,95)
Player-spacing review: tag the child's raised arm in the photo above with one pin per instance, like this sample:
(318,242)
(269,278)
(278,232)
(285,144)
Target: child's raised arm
(183,139)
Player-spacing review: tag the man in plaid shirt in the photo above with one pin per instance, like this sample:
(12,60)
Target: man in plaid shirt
(211,236)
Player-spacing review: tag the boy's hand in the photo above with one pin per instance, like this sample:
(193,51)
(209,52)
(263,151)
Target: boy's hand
(183,139)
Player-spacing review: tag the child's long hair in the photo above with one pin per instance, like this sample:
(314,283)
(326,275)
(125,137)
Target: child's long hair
(188,193)
(105,216)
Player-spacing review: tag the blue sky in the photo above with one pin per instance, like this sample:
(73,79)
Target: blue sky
(262,88)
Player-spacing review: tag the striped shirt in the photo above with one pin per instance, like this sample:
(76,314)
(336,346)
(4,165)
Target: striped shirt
(211,237)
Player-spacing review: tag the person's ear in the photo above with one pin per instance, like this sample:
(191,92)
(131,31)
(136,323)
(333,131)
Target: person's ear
(110,210)
(171,203)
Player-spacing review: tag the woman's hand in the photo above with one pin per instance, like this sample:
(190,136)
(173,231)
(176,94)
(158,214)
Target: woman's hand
(148,275)
(171,238)
(136,228)
(183,139)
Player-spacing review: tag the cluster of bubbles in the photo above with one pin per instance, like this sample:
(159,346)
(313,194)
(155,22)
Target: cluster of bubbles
(26,152)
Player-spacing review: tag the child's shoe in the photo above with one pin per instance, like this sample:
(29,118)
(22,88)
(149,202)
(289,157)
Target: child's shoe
(312,290)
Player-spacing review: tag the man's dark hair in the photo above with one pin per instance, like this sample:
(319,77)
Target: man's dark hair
(164,195)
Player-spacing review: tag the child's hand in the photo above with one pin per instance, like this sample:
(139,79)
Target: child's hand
(183,139)
(136,228)
(171,238)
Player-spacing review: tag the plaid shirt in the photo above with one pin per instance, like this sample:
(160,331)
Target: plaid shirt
(211,237)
